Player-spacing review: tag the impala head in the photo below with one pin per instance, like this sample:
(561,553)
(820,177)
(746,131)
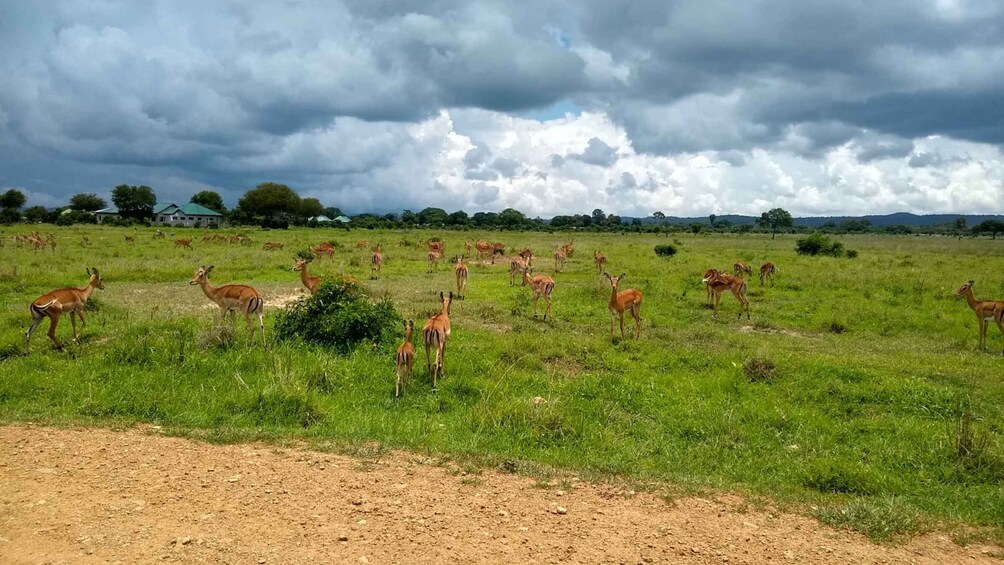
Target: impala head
(202,275)
(447,300)
(301,264)
(95,278)
(614,281)
(709,274)
(964,288)
(409,325)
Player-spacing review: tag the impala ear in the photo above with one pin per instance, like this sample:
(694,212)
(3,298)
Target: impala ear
(451,295)
(441,297)
(95,271)
(210,269)
(622,276)
(607,275)
(88,270)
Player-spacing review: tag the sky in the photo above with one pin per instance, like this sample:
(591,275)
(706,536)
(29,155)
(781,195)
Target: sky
(550,107)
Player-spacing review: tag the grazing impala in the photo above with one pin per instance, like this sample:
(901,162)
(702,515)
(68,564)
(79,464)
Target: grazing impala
(542,285)
(484,248)
(376,260)
(986,310)
(269,245)
(312,283)
(527,256)
(767,271)
(739,268)
(404,358)
(708,275)
(233,298)
(434,257)
(323,249)
(720,282)
(159,234)
(460,270)
(131,240)
(436,331)
(600,260)
(184,243)
(55,303)
(620,302)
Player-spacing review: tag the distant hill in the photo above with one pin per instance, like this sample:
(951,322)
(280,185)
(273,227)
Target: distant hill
(896,219)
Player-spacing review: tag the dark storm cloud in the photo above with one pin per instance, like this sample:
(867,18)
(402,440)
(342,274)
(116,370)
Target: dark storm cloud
(597,152)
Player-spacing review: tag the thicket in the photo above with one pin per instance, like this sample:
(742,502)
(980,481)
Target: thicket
(339,316)
(819,244)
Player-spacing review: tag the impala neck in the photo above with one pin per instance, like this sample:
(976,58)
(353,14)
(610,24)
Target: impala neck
(208,288)
(304,277)
(85,292)
(446,309)
(613,295)
(407,334)
(971,299)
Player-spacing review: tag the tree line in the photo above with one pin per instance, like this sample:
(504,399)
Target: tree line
(276,205)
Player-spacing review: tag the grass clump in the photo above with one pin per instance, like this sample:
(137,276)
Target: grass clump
(665,250)
(881,519)
(835,476)
(338,316)
(759,370)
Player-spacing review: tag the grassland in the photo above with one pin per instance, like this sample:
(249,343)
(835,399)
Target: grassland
(855,392)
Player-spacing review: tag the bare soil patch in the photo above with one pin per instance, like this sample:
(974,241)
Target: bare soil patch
(101,496)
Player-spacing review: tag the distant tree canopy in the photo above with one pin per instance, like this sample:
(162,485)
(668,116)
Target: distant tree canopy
(659,215)
(36,214)
(209,199)
(775,220)
(310,207)
(13,199)
(135,202)
(333,212)
(270,199)
(433,216)
(87,201)
(993,227)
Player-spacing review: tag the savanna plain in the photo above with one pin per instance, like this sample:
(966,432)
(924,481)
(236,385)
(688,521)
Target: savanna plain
(855,393)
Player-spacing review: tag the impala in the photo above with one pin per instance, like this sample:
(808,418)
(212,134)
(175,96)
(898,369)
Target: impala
(130,240)
(55,303)
(708,275)
(433,261)
(600,260)
(527,256)
(460,270)
(51,240)
(439,246)
(767,271)
(739,268)
(159,233)
(376,260)
(567,248)
(184,243)
(362,244)
(484,248)
(269,245)
(720,281)
(542,285)
(323,249)
(404,358)
(436,331)
(620,302)
(467,247)
(559,259)
(312,283)
(986,310)
(516,267)
(233,298)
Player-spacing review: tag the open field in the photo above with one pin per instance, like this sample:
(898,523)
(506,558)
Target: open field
(876,379)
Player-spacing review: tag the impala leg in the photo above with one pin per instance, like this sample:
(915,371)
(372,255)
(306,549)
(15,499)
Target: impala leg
(53,322)
(73,323)
(442,358)
(428,369)
(612,318)
(622,325)
(983,334)
(1000,326)
(34,324)
(636,312)
(535,297)
(548,311)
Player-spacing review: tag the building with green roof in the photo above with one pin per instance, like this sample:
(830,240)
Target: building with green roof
(189,215)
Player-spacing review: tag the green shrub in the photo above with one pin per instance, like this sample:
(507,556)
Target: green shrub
(819,244)
(666,250)
(852,253)
(339,316)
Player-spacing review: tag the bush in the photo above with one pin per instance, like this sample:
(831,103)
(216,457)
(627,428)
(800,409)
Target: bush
(338,316)
(819,244)
(852,253)
(759,370)
(666,250)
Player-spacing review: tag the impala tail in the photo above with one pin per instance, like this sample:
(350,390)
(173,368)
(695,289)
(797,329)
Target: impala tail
(40,311)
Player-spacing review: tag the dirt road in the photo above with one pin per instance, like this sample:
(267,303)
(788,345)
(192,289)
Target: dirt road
(99,496)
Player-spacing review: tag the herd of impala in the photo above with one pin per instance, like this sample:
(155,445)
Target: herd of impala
(245,299)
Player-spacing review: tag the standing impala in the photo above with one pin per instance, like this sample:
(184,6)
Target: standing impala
(620,302)
(436,331)
(542,285)
(233,298)
(720,282)
(986,310)
(376,260)
(460,269)
(404,358)
(600,260)
(767,271)
(183,243)
(312,283)
(559,260)
(55,303)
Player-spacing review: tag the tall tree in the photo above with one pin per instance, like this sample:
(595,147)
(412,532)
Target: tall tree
(711,220)
(333,212)
(659,215)
(270,199)
(36,214)
(433,216)
(87,201)
(599,217)
(511,218)
(993,227)
(310,207)
(209,199)
(12,199)
(459,218)
(134,201)
(775,219)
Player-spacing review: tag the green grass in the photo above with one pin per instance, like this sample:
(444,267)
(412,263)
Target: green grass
(855,389)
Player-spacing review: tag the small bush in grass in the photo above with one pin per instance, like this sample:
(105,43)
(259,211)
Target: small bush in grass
(759,369)
(305,254)
(220,336)
(819,244)
(666,250)
(852,253)
(836,327)
(837,477)
(339,316)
